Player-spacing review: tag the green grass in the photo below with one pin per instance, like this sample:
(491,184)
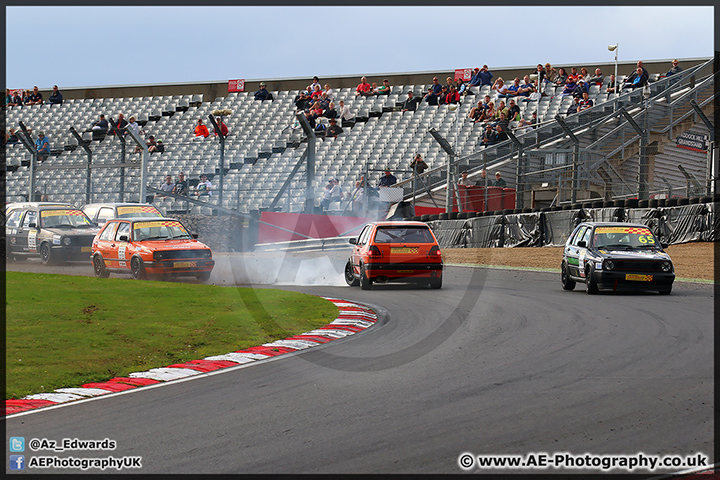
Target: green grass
(63,331)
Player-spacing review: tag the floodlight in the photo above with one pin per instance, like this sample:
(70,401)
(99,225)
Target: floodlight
(612,47)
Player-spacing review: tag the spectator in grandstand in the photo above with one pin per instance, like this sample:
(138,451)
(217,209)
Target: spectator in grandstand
(573,108)
(585,103)
(42,146)
(17,100)
(152,144)
(384,89)
(584,72)
(329,92)
(452,97)
(101,125)
(56,97)
(11,137)
(488,113)
(513,111)
(36,97)
(388,179)
(374,88)
(181,185)
(464,180)
(483,177)
(334,129)
(499,181)
(325,202)
(561,77)
(512,90)
(26,97)
(119,126)
(262,94)
(302,98)
(168,186)
(676,68)
(317,93)
(582,87)
(316,110)
(418,165)
(501,109)
(611,85)
(573,75)
(527,125)
(638,80)
(596,79)
(475,80)
(330,112)
(570,87)
(310,117)
(8,97)
(496,135)
(410,103)
(500,88)
(476,112)
(316,81)
(324,101)
(486,76)
(222,126)
(443,95)
(201,129)
(357,197)
(539,74)
(449,81)
(436,89)
(430,98)
(550,73)
(160,148)
(463,88)
(526,89)
(336,194)
(346,116)
(364,88)
(204,187)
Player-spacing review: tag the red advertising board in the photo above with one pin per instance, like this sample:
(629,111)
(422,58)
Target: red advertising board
(464,73)
(236,85)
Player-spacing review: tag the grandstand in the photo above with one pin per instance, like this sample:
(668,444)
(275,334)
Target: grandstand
(265,145)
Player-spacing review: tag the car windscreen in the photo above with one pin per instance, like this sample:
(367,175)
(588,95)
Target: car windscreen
(134,211)
(159,230)
(403,235)
(624,238)
(64,218)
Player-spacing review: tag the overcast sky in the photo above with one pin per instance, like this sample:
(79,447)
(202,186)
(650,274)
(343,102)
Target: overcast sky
(96,46)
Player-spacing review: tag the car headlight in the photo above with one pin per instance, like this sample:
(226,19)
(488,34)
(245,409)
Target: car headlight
(608,265)
(67,241)
(666,266)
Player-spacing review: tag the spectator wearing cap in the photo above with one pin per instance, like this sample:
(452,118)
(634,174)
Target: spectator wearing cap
(388,179)
(17,100)
(384,89)
(204,187)
(201,130)
(181,185)
(676,68)
(262,93)
(581,88)
(334,129)
(499,181)
(410,103)
(36,97)
(56,97)
(42,146)
(363,89)
(475,80)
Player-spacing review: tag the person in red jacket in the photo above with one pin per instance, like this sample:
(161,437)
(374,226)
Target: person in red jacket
(364,88)
(453,96)
(223,127)
(201,130)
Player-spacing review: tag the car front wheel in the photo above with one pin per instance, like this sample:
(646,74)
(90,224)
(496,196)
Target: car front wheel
(567,282)
(349,276)
(99,267)
(138,269)
(46,254)
(592,287)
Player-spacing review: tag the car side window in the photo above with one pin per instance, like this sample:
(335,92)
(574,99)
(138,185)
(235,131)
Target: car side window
(13,220)
(587,236)
(107,234)
(362,239)
(105,214)
(578,236)
(123,229)
(30,217)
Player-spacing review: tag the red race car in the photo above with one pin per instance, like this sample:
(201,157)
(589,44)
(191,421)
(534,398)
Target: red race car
(149,246)
(395,251)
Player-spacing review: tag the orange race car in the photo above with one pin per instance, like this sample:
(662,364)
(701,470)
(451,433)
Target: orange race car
(149,246)
(394,251)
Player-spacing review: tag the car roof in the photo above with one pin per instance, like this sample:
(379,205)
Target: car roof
(37,204)
(613,224)
(399,224)
(143,219)
(118,204)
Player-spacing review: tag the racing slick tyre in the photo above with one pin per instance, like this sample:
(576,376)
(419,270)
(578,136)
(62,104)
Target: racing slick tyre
(203,276)
(592,288)
(138,269)
(436,283)
(666,291)
(46,254)
(99,267)
(349,277)
(567,282)
(365,282)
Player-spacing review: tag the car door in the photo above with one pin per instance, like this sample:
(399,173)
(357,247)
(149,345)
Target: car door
(27,234)
(120,245)
(572,251)
(12,224)
(583,243)
(358,248)
(105,245)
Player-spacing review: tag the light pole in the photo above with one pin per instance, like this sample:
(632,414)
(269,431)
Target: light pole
(614,48)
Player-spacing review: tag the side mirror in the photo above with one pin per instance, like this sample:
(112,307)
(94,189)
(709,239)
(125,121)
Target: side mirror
(664,245)
(582,243)
(353,241)
(124,238)
(195,236)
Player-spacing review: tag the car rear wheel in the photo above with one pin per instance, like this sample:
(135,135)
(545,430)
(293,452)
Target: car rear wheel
(46,254)
(349,276)
(592,288)
(138,269)
(567,282)
(203,276)
(99,267)
(365,282)
(436,283)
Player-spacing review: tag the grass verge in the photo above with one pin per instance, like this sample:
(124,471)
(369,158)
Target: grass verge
(64,331)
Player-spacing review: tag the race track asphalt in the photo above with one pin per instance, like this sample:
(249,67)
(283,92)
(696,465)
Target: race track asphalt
(497,362)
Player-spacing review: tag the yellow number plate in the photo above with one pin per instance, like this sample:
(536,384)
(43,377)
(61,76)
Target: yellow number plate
(404,250)
(86,249)
(638,278)
(184,264)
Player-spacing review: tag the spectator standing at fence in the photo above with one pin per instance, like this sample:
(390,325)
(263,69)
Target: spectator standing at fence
(675,68)
(56,97)
(36,97)
(262,93)
(483,178)
(201,129)
(181,185)
(204,187)
(42,146)
(464,180)
(418,165)
(168,187)
(499,181)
